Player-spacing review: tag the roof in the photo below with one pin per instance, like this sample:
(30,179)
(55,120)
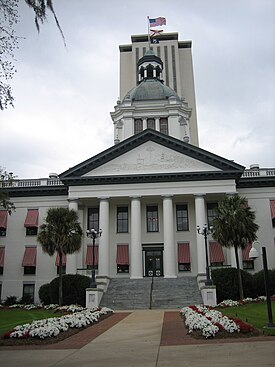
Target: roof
(226,169)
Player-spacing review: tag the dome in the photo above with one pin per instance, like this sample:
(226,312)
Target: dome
(150,89)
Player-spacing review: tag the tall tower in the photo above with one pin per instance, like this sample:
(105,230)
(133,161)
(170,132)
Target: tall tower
(156,89)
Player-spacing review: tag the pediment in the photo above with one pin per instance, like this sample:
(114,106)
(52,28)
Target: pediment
(150,157)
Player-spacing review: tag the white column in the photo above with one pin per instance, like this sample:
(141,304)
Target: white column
(71,263)
(157,124)
(103,259)
(135,246)
(200,220)
(169,254)
(144,121)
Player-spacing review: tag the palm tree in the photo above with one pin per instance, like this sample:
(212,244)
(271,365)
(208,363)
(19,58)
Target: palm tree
(61,233)
(234,226)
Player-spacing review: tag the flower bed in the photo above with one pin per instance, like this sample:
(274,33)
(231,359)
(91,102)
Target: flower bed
(245,301)
(210,321)
(80,317)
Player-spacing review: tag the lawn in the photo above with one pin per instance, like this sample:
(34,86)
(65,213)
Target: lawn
(11,318)
(253,313)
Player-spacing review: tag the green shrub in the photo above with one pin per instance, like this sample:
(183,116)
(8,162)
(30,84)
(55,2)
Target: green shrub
(260,285)
(227,286)
(10,300)
(45,294)
(74,289)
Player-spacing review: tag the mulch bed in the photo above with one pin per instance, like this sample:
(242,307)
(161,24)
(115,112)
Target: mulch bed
(71,339)
(174,332)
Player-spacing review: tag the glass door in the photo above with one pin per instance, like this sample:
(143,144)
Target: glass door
(153,263)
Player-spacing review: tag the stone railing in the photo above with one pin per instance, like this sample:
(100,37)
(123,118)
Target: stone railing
(32,182)
(261,172)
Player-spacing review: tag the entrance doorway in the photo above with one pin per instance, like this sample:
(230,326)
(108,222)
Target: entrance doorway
(153,263)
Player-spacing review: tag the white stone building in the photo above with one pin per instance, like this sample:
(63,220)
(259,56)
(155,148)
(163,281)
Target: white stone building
(148,192)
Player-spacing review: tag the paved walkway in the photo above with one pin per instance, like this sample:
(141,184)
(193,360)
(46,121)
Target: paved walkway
(143,339)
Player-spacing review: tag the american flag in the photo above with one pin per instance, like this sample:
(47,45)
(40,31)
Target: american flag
(157,22)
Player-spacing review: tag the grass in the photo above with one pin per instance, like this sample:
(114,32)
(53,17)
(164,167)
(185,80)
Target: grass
(253,313)
(11,318)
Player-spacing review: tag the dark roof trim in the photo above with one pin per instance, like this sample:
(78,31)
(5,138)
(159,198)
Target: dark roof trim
(185,44)
(157,137)
(37,191)
(149,178)
(256,182)
(125,48)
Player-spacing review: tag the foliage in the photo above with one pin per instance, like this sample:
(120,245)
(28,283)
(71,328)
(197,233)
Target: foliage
(260,285)
(45,294)
(234,226)
(10,300)
(9,40)
(6,180)
(74,289)
(61,233)
(226,281)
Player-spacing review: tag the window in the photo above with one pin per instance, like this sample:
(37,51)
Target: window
(182,218)
(28,292)
(163,125)
(152,218)
(63,271)
(184,263)
(89,257)
(93,218)
(29,260)
(138,126)
(2,258)
(122,219)
(151,124)
(211,213)
(3,222)
(248,263)
(29,270)
(272,209)
(31,222)
(122,258)
(216,254)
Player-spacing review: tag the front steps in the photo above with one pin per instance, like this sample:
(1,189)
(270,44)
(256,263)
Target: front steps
(151,293)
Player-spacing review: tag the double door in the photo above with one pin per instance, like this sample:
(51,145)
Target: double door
(153,263)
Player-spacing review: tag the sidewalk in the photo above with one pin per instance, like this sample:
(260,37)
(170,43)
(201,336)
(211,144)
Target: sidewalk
(138,339)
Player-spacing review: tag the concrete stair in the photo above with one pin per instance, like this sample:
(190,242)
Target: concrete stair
(175,293)
(151,293)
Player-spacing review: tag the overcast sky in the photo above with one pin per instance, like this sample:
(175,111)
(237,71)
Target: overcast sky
(64,96)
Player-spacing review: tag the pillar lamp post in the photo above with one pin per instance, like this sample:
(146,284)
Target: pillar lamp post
(253,254)
(92,233)
(205,232)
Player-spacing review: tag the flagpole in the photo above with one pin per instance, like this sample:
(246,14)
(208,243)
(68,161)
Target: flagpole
(148,32)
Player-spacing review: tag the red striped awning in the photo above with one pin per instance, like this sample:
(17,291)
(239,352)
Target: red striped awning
(64,260)
(3,218)
(184,253)
(272,208)
(29,258)
(2,256)
(31,218)
(216,253)
(122,255)
(245,252)
(89,255)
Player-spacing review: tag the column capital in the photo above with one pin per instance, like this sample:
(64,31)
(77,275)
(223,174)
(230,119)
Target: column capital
(73,200)
(199,195)
(167,196)
(135,197)
(103,198)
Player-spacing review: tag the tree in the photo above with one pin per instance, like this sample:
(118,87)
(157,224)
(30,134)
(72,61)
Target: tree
(234,227)
(6,180)
(61,233)
(9,40)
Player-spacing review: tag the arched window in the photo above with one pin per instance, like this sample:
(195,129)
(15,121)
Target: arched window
(151,124)
(150,71)
(138,126)
(163,125)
